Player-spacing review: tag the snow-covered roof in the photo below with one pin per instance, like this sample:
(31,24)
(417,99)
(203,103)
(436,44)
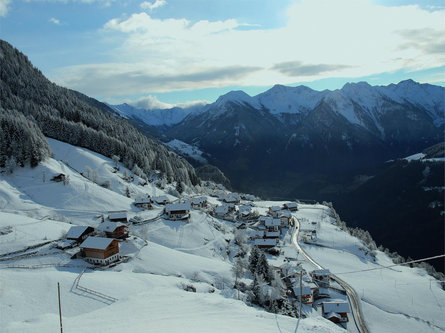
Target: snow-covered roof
(272,223)
(117,215)
(338,307)
(291,204)
(142,200)
(76,231)
(285,214)
(333,315)
(161,198)
(99,243)
(109,226)
(199,200)
(321,272)
(265,241)
(275,208)
(305,290)
(177,207)
(222,209)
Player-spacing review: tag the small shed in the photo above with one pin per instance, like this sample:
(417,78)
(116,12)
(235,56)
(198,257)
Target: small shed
(336,311)
(78,233)
(100,250)
(321,277)
(114,230)
(292,206)
(118,216)
(144,203)
(178,211)
(61,177)
(265,242)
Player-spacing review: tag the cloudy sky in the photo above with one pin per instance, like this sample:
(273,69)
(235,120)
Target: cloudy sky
(178,51)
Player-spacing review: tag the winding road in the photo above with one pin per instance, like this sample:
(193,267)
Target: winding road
(356,309)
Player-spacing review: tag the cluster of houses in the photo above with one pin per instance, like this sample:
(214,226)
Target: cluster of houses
(315,286)
(270,227)
(100,246)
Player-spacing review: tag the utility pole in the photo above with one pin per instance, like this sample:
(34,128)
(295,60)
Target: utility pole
(301,290)
(60,307)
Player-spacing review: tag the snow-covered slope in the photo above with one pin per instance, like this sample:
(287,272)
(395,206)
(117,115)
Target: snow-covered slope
(163,257)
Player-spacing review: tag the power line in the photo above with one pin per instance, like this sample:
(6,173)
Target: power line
(400,264)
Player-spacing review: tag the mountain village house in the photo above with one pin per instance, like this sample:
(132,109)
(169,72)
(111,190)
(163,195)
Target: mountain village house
(336,312)
(100,250)
(273,228)
(306,296)
(144,203)
(199,202)
(118,216)
(292,206)
(178,211)
(265,242)
(230,199)
(273,211)
(78,233)
(321,277)
(161,200)
(285,218)
(114,229)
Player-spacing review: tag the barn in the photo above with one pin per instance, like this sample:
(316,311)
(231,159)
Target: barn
(78,233)
(178,211)
(336,311)
(118,216)
(114,229)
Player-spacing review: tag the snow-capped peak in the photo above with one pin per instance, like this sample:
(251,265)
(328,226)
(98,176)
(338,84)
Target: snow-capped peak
(236,96)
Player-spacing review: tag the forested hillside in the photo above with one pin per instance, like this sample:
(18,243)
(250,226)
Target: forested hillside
(71,117)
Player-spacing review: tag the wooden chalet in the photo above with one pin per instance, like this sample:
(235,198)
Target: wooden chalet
(100,250)
(285,218)
(244,211)
(305,293)
(114,229)
(144,203)
(321,277)
(336,312)
(292,206)
(199,202)
(78,233)
(273,228)
(178,211)
(118,216)
(273,211)
(161,200)
(230,199)
(265,242)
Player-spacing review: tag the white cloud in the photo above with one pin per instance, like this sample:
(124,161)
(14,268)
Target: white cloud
(151,102)
(321,38)
(4,7)
(146,5)
(54,20)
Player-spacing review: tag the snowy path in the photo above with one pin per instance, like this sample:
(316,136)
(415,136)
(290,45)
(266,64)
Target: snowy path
(357,313)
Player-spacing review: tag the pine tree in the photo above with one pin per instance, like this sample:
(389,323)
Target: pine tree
(263,268)
(179,187)
(253,260)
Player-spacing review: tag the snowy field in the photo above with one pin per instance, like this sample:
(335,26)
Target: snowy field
(147,292)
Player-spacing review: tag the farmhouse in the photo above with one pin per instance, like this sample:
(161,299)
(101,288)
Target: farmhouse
(336,311)
(265,242)
(244,211)
(118,216)
(100,250)
(321,277)
(231,199)
(114,230)
(144,203)
(78,233)
(179,211)
(292,206)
